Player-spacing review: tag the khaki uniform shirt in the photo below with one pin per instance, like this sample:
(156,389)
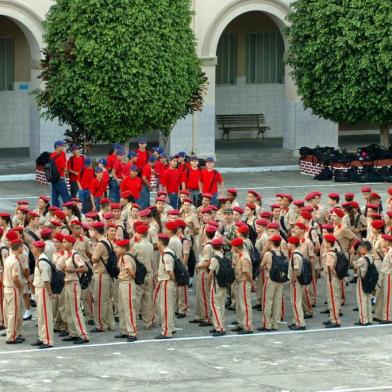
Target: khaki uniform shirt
(361,264)
(42,272)
(176,246)
(386,267)
(192,222)
(73,261)
(144,252)
(295,263)
(166,265)
(100,253)
(124,264)
(49,249)
(330,261)
(12,268)
(59,260)
(344,235)
(243,265)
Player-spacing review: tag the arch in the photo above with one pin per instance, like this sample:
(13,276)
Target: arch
(277,10)
(28,21)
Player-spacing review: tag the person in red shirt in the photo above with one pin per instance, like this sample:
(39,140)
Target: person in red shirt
(142,153)
(86,175)
(146,179)
(191,180)
(210,179)
(132,183)
(74,165)
(171,182)
(97,188)
(113,156)
(182,165)
(118,174)
(59,187)
(160,166)
(132,160)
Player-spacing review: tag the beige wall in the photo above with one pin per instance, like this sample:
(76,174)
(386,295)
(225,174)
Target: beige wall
(22,58)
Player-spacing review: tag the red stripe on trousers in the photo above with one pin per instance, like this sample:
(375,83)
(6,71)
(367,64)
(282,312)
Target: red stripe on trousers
(360,300)
(165,308)
(1,301)
(214,309)
(295,305)
(283,309)
(314,285)
(307,297)
(332,299)
(186,296)
(246,305)
(99,300)
(154,302)
(388,316)
(130,307)
(203,290)
(343,288)
(265,300)
(46,317)
(77,312)
(16,314)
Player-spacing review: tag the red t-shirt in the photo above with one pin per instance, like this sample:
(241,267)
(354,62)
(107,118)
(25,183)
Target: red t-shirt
(86,175)
(98,188)
(171,180)
(210,181)
(191,178)
(119,169)
(142,158)
(110,161)
(60,161)
(159,168)
(75,163)
(133,185)
(146,172)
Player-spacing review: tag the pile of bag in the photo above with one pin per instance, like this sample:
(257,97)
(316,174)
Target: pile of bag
(354,174)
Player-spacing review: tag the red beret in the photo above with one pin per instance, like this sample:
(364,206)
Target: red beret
(207,195)
(213,208)
(85,226)
(300,225)
(273,225)
(262,222)
(372,206)
(16,241)
(22,202)
(275,205)
(135,205)
(317,193)
(33,214)
(59,214)
(206,210)
(299,203)
(254,193)
(347,204)
(161,199)
(334,195)
(349,195)
(91,214)
(173,212)
(375,216)
(243,229)
(266,214)
(55,222)
(375,195)
(276,238)
(252,206)
(69,238)
(223,199)
(181,223)
(387,237)
(307,208)
(217,241)
(122,243)
(185,192)
(330,238)
(19,229)
(232,191)
(97,225)
(162,193)
(141,229)
(126,194)
(240,223)
(354,204)
(145,213)
(238,209)
(328,226)
(237,242)
(211,229)
(294,240)
(23,209)
(76,200)
(45,231)
(163,236)
(105,200)
(306,215)
(137,223)
(310,196)
(108,215)
(366,189)
(356,244)
(378,224)
(288,197)
(172,225)
(187,200)
(389,213)
(4,215)
(59,237)
(76,222)
(115,206)
(39,244)
(389,190)
(11,235)
(213,223)
(68,204)
(112,225)
(338,211)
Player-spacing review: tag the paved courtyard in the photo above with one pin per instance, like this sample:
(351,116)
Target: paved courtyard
(346,359)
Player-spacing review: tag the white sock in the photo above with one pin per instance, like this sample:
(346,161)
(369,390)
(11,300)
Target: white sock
(27,313)
(33,297)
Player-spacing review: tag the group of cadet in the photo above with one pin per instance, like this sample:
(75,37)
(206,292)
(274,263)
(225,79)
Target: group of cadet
(227,252)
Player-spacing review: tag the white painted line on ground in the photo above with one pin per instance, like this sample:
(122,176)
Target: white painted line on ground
(19,197)
(17,177)
(383,388)
(194,338)
(258,169)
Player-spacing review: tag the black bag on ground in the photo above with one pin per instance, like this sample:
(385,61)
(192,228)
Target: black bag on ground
(342,265)
(111,264)
(86,277)
(341,176)
(305,275)
(180,272)
(141,270)
(280,268)
(369,281)
(325,174)
(225,276)
(57,278)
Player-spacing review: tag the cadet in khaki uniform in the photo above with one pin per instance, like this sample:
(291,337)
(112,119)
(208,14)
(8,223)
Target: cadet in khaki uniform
(143,250)
(3,255)
(296,288)
(182,303)
(103,311)
(273,291)
(261,242)
(364,300)
(126,292)
(333,283)
(386,276)
(13,287)
(74,265)
(243,276)
(167,287)
(43,294)
(217,293)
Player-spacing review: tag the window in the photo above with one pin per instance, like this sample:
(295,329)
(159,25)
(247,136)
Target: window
(227,59)
(6,63)
(264,58)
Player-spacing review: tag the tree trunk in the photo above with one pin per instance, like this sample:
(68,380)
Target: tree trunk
(384,135)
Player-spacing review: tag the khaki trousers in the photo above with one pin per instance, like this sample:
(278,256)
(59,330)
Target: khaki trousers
(59,314)
(272,304)
(296,300)
(114,295)
(167,297)
(75,319)
(103,311)
(1,304)
(259,288)
(126,307)
(364,304)
(386,299)
(333,298)
(217,303)
(243,298)
(182,299)
(12,312)
(155,304)
(203,306)
(87,300)
(45,315)
(306,299)
(144,300)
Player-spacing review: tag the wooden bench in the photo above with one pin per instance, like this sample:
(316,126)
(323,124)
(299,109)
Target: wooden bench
(241,123)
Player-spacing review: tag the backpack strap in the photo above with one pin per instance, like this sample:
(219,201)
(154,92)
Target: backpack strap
(32,234)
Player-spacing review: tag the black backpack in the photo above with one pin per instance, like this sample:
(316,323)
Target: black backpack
(111,264)
(325,174)
(280,268)
(255,259)
(50,169)
(305,275)
(225,276)
(369,281)
(86,277)
(342,265)
(180,272)
(57,278)
(141,271)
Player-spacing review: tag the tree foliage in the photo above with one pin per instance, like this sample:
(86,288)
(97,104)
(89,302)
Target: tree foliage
(114,69)
(341,55)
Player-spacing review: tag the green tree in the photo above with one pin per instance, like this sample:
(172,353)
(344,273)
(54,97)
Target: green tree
(114,69)
(341,55)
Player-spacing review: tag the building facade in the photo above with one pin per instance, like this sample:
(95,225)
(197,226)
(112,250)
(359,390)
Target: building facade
(242,47)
